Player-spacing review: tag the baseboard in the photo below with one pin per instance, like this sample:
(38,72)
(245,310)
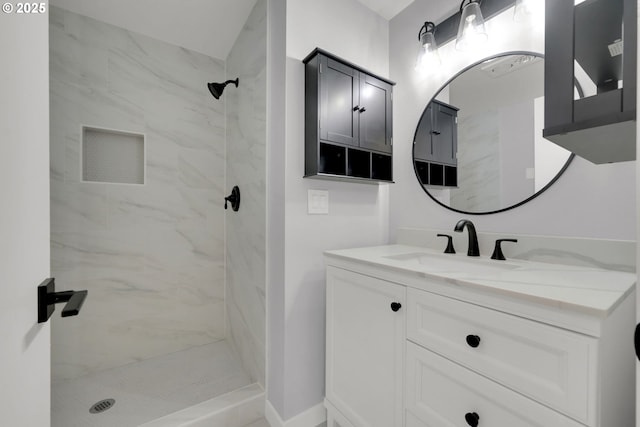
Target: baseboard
(312,417)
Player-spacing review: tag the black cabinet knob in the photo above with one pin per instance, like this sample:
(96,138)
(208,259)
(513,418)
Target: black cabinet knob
(472,419)
(356,108)
(395,306)
(473,340)
(362,110)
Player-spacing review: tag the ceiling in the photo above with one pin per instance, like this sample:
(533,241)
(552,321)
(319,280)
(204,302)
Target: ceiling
(206,26)
(387,8)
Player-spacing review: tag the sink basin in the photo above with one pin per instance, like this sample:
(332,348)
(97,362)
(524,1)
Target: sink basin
(453,263)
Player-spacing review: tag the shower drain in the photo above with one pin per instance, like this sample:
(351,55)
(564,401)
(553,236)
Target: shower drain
(102,406)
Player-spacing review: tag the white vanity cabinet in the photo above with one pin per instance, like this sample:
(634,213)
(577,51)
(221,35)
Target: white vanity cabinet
(365,350)
(549,364)
(480,352)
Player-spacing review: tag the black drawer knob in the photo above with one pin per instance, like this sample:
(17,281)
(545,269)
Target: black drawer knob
(395,306)
(472,419)
(473,340)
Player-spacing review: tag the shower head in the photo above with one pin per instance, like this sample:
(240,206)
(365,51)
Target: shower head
(217,88)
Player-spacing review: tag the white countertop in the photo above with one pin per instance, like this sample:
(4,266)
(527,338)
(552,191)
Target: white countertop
(590,290)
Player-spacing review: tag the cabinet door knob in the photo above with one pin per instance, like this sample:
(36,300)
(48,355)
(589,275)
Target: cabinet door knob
(473,340)
(362,110)
(472,419)
(356,108)
(395,306)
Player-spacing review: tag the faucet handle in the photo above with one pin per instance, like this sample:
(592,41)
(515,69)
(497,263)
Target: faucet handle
(497,251)
(449,249)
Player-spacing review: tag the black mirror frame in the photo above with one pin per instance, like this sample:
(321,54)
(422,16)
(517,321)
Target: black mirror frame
(536,194)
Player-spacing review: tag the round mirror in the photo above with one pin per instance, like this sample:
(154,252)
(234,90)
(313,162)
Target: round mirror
(478,148)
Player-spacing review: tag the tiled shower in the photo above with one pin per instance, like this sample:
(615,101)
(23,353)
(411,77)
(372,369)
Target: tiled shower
(173,278)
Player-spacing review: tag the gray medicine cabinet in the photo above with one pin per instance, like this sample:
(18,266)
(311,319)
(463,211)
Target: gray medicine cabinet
(436,145)
(348,121)
(591,44)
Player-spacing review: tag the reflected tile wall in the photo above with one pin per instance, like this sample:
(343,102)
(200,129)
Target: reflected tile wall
(480,155)
(246,167)
(151,256)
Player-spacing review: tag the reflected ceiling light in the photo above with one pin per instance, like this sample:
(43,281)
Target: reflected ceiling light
(527,9)
(428,56)
(471,31)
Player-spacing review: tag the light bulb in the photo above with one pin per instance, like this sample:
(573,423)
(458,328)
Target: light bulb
(471,31)
(428,57)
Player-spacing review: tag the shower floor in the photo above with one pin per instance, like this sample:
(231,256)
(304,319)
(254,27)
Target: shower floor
(147,390)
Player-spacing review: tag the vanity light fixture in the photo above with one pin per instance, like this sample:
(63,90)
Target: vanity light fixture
(527,9)
(428,56)
(471,31)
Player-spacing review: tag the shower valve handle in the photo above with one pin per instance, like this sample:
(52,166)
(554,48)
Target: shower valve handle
(233,198)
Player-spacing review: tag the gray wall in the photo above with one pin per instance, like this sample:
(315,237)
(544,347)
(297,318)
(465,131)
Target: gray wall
(276,149)
(588,201)
(246,168)
(152,255)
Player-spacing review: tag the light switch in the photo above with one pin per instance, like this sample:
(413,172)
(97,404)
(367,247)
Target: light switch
(318,202)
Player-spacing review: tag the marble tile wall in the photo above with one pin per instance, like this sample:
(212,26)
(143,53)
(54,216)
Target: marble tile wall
(480,177)
(246,167)
(151,256)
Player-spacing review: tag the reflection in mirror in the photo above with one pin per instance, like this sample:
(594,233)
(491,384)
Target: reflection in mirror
(478,147)
(598,52)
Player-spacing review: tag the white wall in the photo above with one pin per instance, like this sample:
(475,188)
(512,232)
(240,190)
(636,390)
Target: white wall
(587,201)
(24,218)
(357,212)
(637,199)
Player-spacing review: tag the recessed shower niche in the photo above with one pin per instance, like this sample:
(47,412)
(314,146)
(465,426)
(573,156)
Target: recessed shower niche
(112,156)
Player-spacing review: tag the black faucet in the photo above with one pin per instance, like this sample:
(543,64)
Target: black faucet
(473,250)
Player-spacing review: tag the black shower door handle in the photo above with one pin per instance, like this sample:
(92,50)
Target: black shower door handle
(48,298)
(636,341)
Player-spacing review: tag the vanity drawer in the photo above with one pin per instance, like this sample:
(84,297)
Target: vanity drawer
(552,365)
(441,393)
